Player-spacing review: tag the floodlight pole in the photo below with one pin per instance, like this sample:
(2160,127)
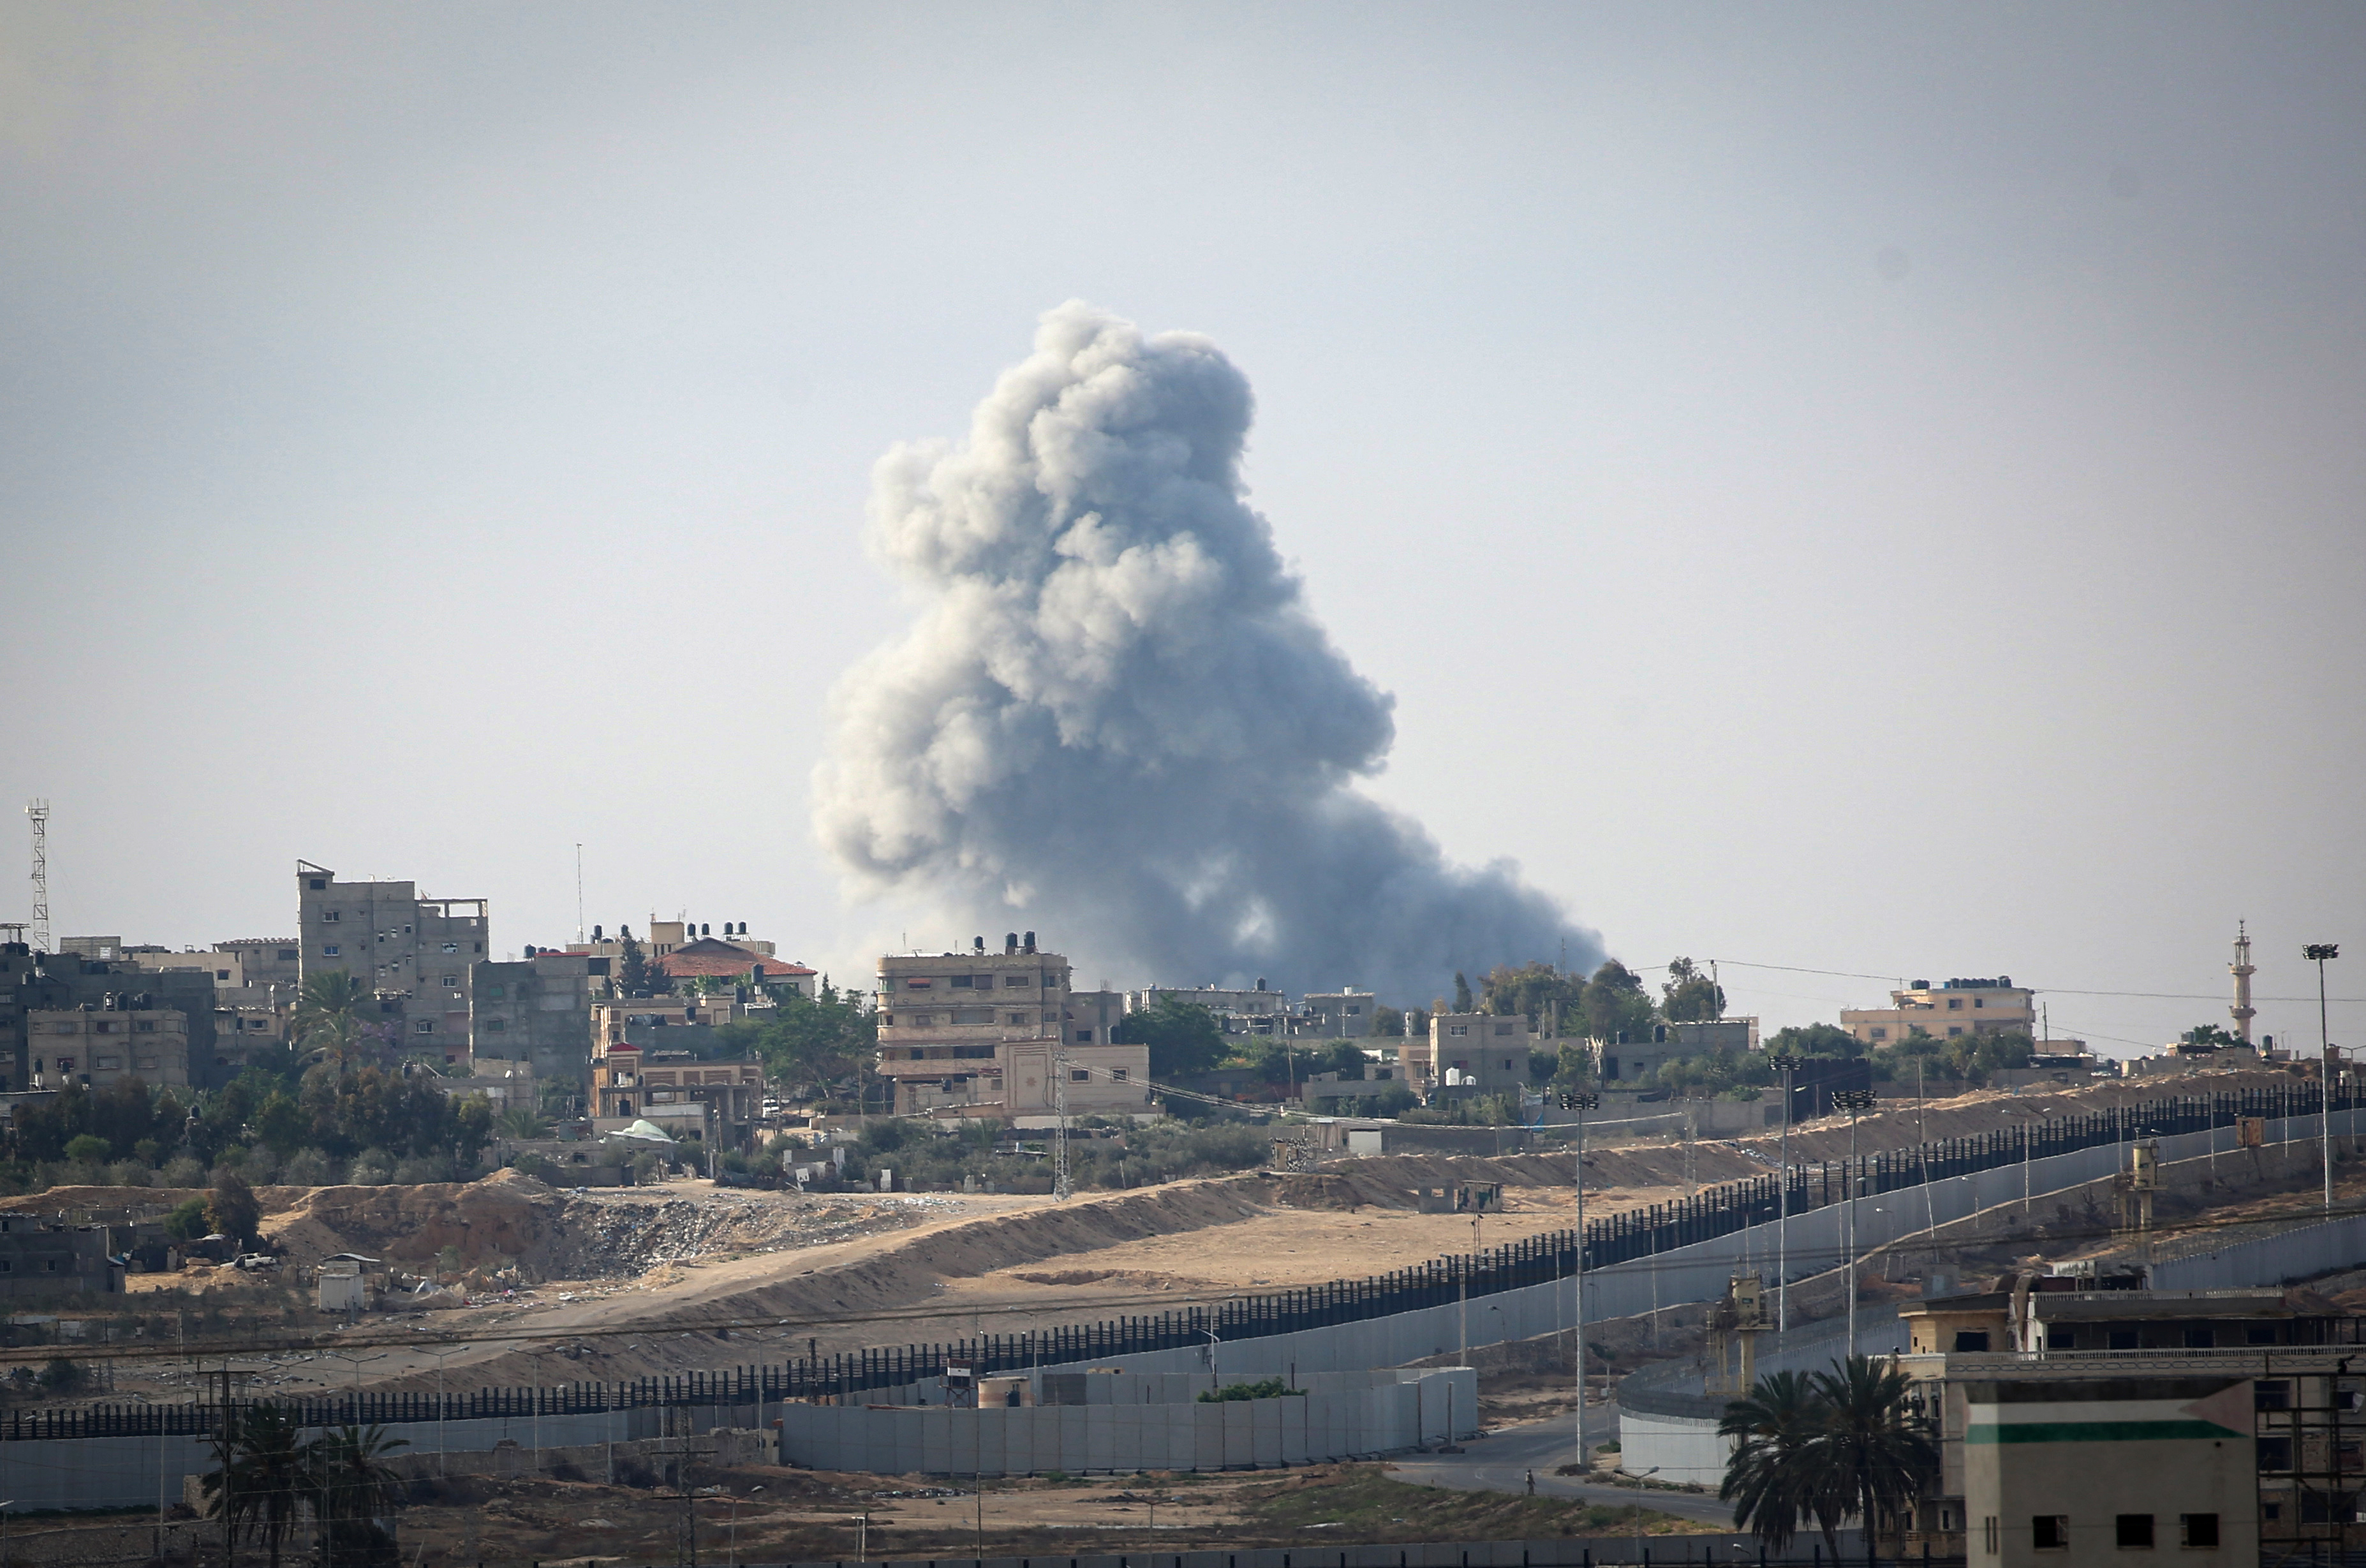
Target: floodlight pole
(1785,1064)
(2318,953)
(1580,1101)
(1853,1101)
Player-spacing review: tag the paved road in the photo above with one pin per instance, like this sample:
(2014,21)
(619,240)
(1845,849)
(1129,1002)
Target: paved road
(1501,1462)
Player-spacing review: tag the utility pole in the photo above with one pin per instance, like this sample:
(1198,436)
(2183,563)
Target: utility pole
(1853,1101)
(2318,953)
(1060,1134)
(1785,1064)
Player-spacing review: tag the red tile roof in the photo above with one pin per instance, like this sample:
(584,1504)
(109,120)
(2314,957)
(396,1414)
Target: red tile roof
(723,960)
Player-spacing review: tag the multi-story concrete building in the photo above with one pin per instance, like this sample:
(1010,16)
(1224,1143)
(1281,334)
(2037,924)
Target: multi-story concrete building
(255,984)
(1254,1011)
(718,1100)
(1477,1050)
(413,951)
(537,1010)
(1338,1015)
(34,982)
(1945,1011)
(42,1260)
(1631,1056)
(96,1044)
(2090,1417)
(1002,1033)
(664,1023)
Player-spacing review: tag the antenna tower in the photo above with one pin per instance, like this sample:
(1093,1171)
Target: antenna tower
(39,810)
(579,895)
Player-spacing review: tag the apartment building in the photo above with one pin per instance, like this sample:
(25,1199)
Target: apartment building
(1627,1056)
(537,1010)
(1258,1010)
(2088,1416)
(1003,1032)
(413,951)
(1482,1051)
(711,959)
(99,1044)
(1946,1011)
(1338,1015)
(255,984)
(38,982)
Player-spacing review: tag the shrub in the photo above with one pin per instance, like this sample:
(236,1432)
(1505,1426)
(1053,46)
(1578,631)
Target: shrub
(84,1149)
(60,1376)
(372,1168)
(429,1168)
(308,1168)
(182,1170)
(1268,1388)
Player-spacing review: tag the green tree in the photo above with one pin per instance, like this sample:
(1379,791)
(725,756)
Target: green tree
(281,1124)
(232,1211)
(522,1122)
(817,1046)
(1872,1454)
(637,975)
(188,1220)
(1770,1475)
(1690,996)
(330,1011)
(2212,1036)
(60,1376)
(1182,1036)
(1814,1040)
(355,1487)
(261,1473)
(84,1149)
(1463,1001)
(1537,991)
(1614,1003)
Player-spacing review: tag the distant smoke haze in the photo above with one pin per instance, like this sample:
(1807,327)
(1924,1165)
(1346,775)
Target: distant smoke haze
(1118,723)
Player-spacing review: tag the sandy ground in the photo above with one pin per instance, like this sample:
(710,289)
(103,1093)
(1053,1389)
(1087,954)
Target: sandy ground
(683,1277)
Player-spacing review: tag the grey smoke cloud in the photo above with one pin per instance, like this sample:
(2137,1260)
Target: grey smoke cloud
(1118,722)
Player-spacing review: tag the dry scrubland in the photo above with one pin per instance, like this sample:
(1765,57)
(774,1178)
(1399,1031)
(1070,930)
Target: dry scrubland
(685,1276)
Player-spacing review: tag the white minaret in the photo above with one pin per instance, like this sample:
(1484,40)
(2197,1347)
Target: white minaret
(2242,969)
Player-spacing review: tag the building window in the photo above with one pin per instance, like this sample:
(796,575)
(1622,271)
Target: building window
(221,973)
(2201,1338)
(1084,1036)
(2275,1453)
(1880,1033)
(287,955)
(427,1026)
(496,1025)
(65,1063)
(448,947)
(320,883)
(1010,981)
(495,991)
(1979,1001)
(1990,1535)
(1080,1074)
(963,983)
(1953,1030)
(107,1065)
(2135,1530)
(1457,1029)
(1503,1028)
(2275,1396)
(147,1064)
(330,951)
(2197,1529)
(332,916)
(2121,1339)
(147,1026)
(1954,1004)
(2050,1532)
(1118,1074)
(1969,1339)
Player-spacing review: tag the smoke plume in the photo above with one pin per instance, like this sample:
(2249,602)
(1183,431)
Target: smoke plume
(1117,721)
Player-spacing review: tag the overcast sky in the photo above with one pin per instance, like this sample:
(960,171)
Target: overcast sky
(1870,489)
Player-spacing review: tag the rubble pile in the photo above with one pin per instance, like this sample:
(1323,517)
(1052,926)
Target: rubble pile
(610,1238)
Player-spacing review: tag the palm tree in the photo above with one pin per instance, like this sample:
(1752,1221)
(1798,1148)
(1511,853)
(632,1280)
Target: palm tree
(260,1465)
(1873,1453)
(350,1477)
(522,1122)
(329,1013)
(1770,1478)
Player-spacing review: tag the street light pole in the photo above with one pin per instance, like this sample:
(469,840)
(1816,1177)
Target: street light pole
(2318,953)
(1580,1101)
(1785,1064)
(1853,1101)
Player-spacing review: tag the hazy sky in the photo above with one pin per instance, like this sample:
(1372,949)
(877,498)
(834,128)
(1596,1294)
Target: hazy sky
(1872,489)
